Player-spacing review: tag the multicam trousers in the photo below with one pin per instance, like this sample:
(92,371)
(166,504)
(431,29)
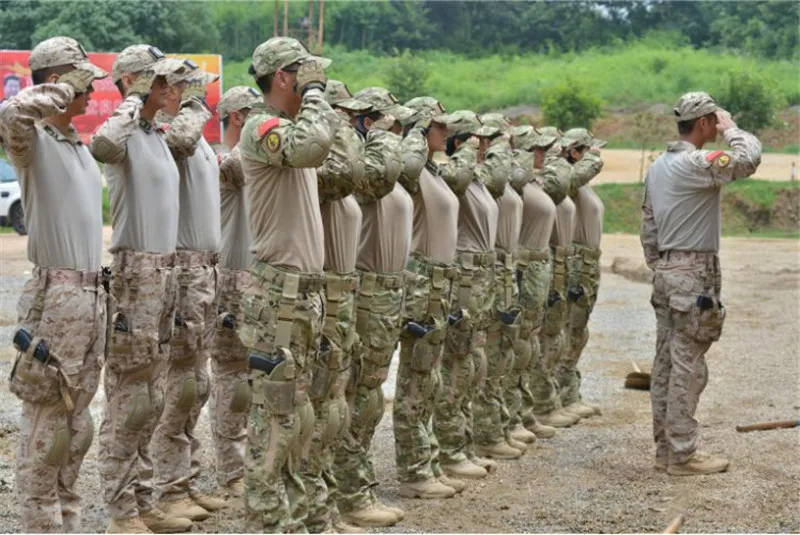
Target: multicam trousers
(378,311)
(67,310)
(534,271)
(582,295)
(464,365)
(186,383)
(489,405)
(689,318)
(552,336)
(143,289)
(230,394)
(282,329)
(329,381)
(427,305)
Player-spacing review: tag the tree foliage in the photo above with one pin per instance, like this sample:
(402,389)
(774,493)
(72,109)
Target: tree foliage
(406,76)
(570,104)
(751,100)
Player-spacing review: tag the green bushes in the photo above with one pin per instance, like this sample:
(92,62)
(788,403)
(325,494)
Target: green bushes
(570,104)
(751,100)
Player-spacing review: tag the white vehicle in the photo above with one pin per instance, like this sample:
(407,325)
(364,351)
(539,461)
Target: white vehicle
(10,202)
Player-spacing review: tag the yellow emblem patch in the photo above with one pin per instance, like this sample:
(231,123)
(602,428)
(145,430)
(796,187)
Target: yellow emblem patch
(273,142)
(723,160)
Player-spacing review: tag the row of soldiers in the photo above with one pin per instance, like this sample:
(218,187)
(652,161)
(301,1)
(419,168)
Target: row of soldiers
(293,261)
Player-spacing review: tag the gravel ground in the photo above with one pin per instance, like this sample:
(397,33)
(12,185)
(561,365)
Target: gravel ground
(597,476)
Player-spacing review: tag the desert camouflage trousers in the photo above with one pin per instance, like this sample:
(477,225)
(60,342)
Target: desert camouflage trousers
(464,365)
(229,403)
(584,281)
(553,335)
(378,315)
(282,330)
(427,305)
(329,380)
(67,310)
(186,385)
(143,310)
(689,318)
(489,405)
(534,272)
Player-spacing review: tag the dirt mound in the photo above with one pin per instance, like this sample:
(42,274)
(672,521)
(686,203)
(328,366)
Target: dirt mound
(786,212)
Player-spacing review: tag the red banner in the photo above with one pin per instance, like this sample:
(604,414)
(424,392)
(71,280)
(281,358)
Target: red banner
(16,75)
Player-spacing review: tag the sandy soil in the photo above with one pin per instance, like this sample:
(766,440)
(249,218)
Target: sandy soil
(596,477)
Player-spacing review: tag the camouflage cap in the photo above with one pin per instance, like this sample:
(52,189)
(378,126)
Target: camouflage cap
(693,105)
(579,137)
(137,58)
(337,94)
(527,137)
(467,122)
(382,100)
(497,120)
(191,72)
(237,98)
(58,51)
(276,53)
(550,131)
(426,108)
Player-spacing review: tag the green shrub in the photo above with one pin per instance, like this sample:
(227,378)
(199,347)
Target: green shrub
(406,76)
(570,104)
(751,99)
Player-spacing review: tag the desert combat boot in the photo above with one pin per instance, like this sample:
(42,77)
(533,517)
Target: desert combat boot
(455,484)
(520,434)
(429,489)
(580,409)
(499,450)
(133,524)
(699,464)
(159,522)
(184,508)
(558,418)
(370,516)
(208,502)
(541,430)
(465,470)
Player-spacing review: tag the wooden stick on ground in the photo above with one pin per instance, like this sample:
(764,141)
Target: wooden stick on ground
(766,426)
(675,525)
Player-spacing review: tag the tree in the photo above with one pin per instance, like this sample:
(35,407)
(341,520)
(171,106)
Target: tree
(406,76)
(750,99)
(570,105)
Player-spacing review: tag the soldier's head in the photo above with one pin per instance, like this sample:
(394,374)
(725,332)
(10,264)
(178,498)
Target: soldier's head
(235,105)
(430,109)
(499,121)
(134,60)
(342,101)
(185,74)
(54,57)
(463,125)
(576,142)
(696,115)
(274,67)
(536,140)
(385,113)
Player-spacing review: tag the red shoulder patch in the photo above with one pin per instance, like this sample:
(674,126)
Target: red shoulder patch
(714,155)
(219,158)
(163,127)
(265,127)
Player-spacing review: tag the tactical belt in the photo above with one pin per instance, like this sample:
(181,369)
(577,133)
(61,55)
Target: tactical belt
(505,259)
(525,254)
(687,255)
(591,252)
(468,261)
(67,276)
(189,258)
(138,259)
(437,273)
(370,281)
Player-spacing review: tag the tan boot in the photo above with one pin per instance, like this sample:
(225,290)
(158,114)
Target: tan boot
(487,464)
(370,516)
(500,450)
(208,502)
(133,524)
(596,408)
(698,465)
(455,484)
(344,527)
(465,470)
(184,508)
(430,489)
(542,431)
(579,409)
(521,434)
(159,522)
(660,464)
(235,488)
(396,511)
(516,444)
(557,418)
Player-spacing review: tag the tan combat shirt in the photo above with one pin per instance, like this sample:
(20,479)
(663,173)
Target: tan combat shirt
(143,181)
(236,239)
(279,160)
(682,208)
(477,219)
(61,184)
(589,212)
(386,233)
(564,226)
(538,217)
(509,221)
(435,230)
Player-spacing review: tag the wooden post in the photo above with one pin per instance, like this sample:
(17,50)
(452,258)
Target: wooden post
(285,18)
(321,25)
(275,20)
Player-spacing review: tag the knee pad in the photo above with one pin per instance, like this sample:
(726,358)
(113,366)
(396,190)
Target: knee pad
(188,395)
(373,409)
(240,401)
(59,447)
(333,425)
(139,409)
(459,335)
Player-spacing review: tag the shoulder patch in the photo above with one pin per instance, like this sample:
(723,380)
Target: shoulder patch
(723,160)
(273,142)
(265,127)
(711,156)
(219,158)
(163,127)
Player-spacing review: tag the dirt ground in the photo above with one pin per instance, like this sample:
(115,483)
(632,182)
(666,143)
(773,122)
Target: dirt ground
(597,476)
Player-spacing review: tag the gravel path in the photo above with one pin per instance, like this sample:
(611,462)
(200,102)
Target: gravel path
(596,477)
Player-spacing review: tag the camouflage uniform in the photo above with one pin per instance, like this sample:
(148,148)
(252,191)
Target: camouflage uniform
(378,304)
(144,221)
(283,302)
(680,236)
(63,306)
(186,383)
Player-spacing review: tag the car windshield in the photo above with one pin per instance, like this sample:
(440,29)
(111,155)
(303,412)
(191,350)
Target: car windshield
(6,172)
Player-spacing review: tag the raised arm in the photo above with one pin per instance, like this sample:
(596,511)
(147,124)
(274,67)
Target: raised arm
(186,128)
(555,178)
(459,172)
(382,166)
(109,143)
(583,171)
(414,155)
(231,175)
(343,168)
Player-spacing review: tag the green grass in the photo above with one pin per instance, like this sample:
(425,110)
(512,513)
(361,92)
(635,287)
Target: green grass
(630,75)
(623,208)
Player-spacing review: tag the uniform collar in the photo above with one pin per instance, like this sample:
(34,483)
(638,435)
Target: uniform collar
(71,136)
(433,167)
(680,146)
(272,110)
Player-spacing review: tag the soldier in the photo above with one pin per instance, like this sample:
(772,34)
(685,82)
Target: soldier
(230,394)
(429,275)
(382,254)
(281,149)
(681,222)
(489,405)
(583,152)
(464,358)
(186,383)
(63,307)
(337,179)
(144,216)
